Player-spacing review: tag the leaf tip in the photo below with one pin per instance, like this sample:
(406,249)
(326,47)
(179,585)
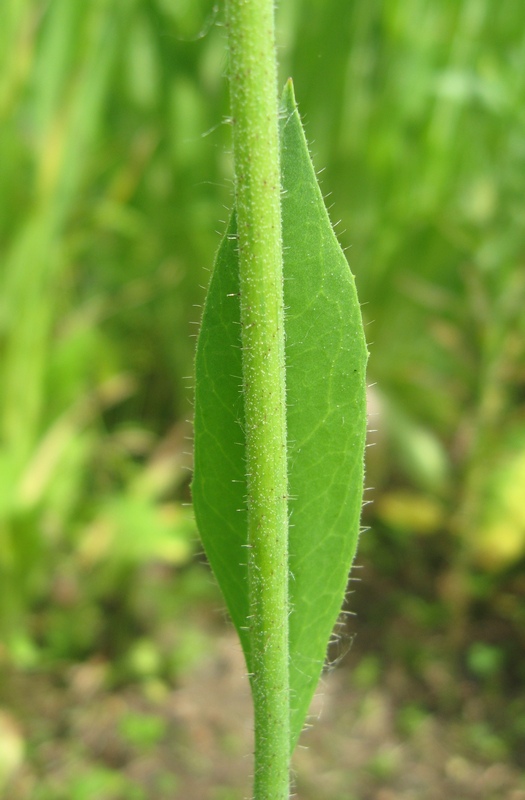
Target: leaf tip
(288,97)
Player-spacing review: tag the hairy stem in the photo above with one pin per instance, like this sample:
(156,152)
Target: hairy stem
(253,87)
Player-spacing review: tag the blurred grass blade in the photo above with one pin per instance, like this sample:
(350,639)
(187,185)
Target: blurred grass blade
(326,359)
(58,89)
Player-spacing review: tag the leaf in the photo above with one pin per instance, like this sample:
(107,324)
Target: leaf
(325,375)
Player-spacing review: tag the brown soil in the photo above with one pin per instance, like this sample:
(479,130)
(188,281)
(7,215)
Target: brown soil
(368,740)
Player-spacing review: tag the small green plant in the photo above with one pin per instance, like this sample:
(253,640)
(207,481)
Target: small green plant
(280,412)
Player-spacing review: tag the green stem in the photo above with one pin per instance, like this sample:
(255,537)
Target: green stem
(253,87)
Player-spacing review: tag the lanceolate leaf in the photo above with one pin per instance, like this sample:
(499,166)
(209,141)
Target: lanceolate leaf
(325,378)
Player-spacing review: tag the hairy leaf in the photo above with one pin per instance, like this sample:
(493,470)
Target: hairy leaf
(325,377)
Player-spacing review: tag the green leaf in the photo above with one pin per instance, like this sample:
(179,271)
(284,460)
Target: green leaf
(325,375)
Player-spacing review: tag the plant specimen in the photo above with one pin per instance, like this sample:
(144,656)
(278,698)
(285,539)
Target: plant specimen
(280,412)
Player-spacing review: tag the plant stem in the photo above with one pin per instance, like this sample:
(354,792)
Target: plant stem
(254,103)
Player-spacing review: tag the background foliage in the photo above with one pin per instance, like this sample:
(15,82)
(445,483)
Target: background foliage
(116,163)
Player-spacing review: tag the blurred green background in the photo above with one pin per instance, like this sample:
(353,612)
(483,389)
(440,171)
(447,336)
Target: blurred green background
(115,180)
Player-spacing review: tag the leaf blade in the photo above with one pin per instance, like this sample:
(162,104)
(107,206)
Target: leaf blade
(219,496)
(325,373)
(326,420)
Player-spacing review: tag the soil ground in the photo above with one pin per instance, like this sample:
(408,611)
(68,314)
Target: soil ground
(372,737)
